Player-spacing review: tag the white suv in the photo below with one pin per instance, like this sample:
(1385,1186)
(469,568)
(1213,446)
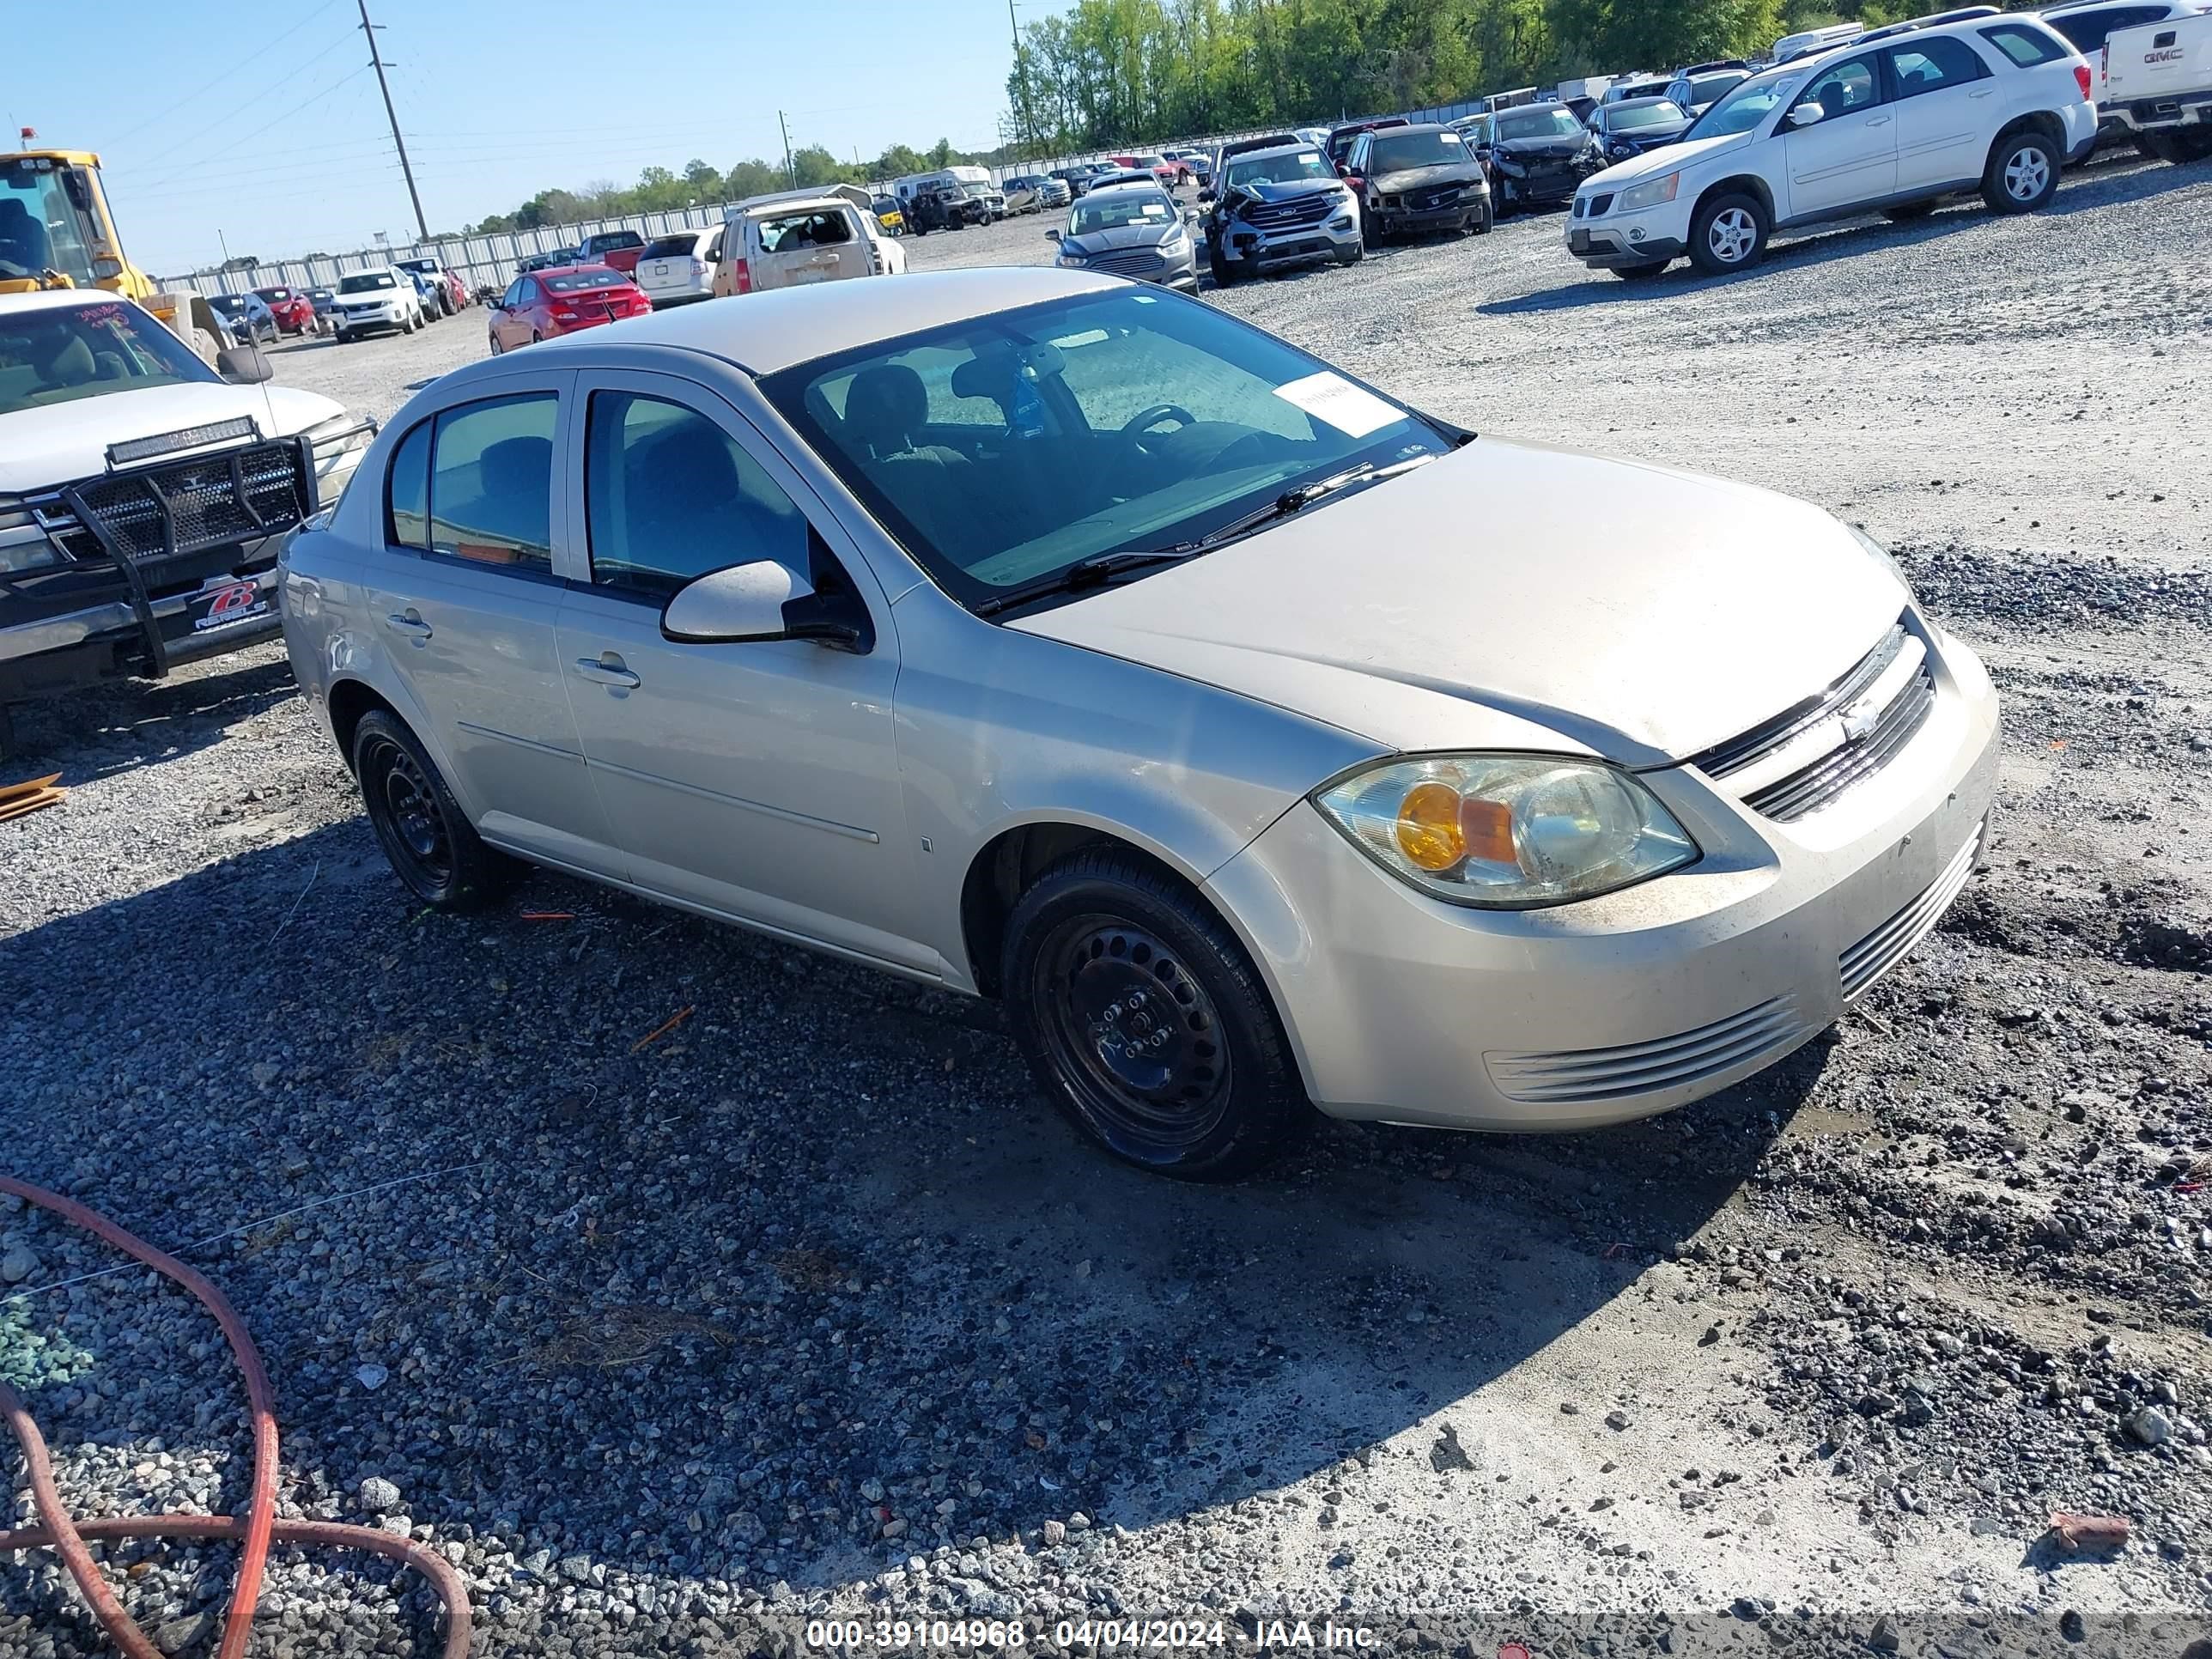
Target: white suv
(1891,122)
(381,296)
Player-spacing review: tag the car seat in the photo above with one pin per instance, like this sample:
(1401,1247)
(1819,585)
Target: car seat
(23,241)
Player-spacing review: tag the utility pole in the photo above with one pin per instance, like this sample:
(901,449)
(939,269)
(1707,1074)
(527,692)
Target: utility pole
(1022,80)
(376,58)
(790,171)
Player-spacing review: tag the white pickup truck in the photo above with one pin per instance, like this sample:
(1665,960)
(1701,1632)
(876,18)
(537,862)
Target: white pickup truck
(2158,80)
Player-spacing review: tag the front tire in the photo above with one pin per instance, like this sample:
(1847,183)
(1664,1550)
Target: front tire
(2022,173)
(431,845)
(1223,267)
(1728,234)
(1146,1022)
(1484,219)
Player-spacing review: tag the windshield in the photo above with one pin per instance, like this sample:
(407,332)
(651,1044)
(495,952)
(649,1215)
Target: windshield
(1748,103)
(1117,208)
(39,228)
(1005,448)
(1395,153)
(1553,122)
(59,354)
(579,282)
(1627,118)
(1284,167)
(365,282)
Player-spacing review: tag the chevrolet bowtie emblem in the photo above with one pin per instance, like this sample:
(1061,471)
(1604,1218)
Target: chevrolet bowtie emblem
(1859,721)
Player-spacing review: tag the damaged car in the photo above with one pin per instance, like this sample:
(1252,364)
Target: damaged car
(142,493)
(1541,155)
(1276,208)
(1415,179)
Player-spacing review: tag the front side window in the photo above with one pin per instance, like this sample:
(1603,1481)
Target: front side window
(407,491)
(491,482)
(1103,422)
(1844,90)
(2028,47)
(1934,64)
(55,355)
(669,495)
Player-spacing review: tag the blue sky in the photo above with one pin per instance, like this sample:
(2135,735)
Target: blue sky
(262,118)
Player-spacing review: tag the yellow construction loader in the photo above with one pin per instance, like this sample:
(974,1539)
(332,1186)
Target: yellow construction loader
(56,232)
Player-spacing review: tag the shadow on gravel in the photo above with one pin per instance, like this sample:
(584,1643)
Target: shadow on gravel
(2112,184)
(121,725)
(794,1288)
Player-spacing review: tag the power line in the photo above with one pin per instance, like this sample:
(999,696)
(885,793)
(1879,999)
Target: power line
(198,163)
(208,86)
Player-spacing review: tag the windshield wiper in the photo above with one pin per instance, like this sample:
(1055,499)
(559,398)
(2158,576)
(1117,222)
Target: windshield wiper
(1097,571)
(1294,500)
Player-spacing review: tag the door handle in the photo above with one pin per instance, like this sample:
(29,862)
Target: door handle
(607,670)
(410,624)
(1981,92)
(1878,120)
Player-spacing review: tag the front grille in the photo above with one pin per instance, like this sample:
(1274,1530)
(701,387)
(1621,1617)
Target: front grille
(1804,793)
(1645,1068)
(1762,740)
(1430,201)
(1127,262)
(1285,215)
(188,506)
(1884,948)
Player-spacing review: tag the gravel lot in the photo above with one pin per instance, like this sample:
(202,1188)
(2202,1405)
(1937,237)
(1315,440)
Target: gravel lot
(809,1304)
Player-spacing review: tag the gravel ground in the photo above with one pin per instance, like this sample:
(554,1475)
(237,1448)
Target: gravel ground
(808,1306)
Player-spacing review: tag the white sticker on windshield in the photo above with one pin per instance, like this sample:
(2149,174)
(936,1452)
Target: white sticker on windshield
(1351,410)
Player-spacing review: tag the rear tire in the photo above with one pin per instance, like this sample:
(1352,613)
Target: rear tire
(2022,173)
(1145,1021)
(1728,234)
(2178,147)
(431,845)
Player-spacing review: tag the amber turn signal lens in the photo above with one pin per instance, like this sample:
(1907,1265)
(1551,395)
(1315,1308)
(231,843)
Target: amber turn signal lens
(1486,831)
(1428,826)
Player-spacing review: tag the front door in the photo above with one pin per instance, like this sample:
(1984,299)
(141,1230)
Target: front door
(757,780)
(465,599)
(1946,111)
(1849,155)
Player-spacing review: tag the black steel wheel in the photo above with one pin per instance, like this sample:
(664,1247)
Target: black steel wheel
(1145,1020)
(431,845)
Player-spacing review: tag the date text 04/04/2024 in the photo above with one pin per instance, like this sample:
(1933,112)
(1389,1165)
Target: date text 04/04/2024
(1138,1635)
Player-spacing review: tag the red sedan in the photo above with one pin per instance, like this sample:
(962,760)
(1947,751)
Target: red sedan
(560,301)
(294,311)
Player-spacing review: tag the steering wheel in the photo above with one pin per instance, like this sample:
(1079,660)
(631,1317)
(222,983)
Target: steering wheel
(1144,420)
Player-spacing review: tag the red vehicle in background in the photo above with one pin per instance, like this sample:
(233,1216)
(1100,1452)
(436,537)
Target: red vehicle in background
(295,312)
(546,304)
(618,249)
(1171,174)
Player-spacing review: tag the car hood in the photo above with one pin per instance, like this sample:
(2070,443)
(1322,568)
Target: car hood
(60,443)
(1516,595)
(1101,242)
(1665,159)
(1443,172)
(1295,190)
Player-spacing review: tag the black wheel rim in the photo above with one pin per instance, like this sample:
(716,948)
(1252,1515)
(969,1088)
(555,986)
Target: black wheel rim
(406,809)
(1138,1040)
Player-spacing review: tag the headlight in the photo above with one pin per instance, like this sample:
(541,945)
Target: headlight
(1650,193)
(1507,832)
(1071,257)
(1882,556)
(339,441)
(23,546)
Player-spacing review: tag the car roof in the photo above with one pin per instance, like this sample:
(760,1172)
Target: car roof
(764,332)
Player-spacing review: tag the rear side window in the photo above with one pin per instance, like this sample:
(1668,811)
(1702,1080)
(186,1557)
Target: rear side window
(407,492)
(2026,46)
(491,482)
(669,495)
(1933,64)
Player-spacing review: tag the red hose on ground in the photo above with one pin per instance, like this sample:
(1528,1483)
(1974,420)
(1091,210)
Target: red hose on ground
(260,1524)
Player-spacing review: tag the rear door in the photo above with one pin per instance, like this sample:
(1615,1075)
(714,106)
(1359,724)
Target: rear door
(1849,155)
(466,599)
(1947,111)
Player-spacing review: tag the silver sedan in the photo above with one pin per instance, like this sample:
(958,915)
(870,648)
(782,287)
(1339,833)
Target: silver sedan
(1263,743)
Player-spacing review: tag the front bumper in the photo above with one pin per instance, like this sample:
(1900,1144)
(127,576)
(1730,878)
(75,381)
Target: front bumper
(1616,246)
(363,322)
(1452,215)
(1259,250)
(1404,1009)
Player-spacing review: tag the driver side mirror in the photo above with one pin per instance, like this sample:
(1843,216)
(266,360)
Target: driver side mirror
(1804,115)
(1053,235)
(764,601)
(1206,194)
(245,364)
